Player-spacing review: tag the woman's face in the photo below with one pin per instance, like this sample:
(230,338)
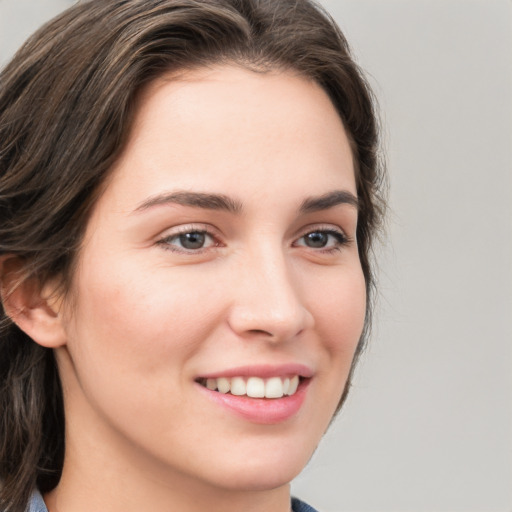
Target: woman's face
(222,252)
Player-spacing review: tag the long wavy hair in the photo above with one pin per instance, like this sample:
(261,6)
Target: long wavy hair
(67,100)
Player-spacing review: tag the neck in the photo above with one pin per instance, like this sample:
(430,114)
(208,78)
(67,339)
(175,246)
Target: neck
(121,479)
(136,497)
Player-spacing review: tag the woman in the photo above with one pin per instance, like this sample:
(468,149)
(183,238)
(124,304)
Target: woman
(188,190)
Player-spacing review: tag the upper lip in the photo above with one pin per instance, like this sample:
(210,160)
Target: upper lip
(262,371)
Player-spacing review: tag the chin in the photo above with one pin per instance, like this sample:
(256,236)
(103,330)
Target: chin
(265,473)
(264,480)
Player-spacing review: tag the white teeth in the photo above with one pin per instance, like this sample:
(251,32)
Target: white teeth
(223,385)
(238,386)
(255,387)
(294,383)
(274,388)
(286,386)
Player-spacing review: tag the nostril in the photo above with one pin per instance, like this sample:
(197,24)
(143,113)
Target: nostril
(262,332)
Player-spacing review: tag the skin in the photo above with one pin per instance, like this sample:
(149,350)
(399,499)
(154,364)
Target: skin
(145,316)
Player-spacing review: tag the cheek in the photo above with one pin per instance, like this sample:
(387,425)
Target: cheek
(340,309)
(139,316)
(131,335)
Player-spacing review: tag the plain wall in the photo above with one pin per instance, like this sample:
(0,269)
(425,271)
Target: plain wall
(428,424)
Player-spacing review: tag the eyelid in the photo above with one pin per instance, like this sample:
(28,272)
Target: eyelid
(187,228)
(322,227)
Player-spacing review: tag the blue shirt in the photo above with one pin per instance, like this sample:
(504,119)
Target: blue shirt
(36,504)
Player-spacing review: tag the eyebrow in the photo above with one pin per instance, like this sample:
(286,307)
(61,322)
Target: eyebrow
(329,200)
(210,201)
(195,199)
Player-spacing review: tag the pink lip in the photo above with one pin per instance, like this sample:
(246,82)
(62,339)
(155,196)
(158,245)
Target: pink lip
(262,371)
(265,411)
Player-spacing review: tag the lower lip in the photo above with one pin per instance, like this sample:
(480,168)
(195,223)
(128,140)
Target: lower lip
(265,411)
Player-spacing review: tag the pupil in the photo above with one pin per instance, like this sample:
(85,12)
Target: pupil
(194,240)
(316,239)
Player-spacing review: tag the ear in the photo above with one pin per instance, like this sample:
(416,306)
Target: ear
(35,309)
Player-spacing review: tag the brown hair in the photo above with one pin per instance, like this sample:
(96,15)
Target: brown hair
(66,104)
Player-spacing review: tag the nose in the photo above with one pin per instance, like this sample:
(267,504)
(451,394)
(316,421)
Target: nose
(268,301)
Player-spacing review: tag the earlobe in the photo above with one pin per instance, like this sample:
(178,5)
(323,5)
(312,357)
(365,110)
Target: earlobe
(32,307)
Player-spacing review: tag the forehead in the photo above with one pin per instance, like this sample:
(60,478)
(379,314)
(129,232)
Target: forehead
(220,125)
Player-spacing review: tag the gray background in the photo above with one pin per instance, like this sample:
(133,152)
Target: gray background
(428,425)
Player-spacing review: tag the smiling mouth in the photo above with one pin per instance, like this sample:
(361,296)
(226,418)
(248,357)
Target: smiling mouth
(254,387)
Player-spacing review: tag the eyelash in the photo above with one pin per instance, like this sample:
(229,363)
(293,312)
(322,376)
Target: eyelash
(341,239)
(165,241)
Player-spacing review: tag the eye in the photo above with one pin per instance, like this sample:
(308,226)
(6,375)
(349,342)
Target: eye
(191,240)
(329,239)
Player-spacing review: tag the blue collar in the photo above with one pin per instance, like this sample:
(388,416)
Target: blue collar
(36,503)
